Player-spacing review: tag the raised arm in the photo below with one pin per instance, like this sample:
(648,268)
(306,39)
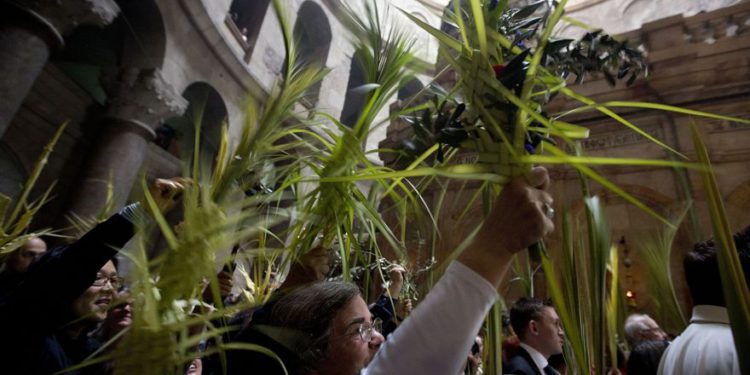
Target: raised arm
(436,337)
(61,275)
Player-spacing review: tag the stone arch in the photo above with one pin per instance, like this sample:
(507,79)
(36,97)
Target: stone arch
(312,31)
(248,16)
(354,100)
(207,108)
(94,57)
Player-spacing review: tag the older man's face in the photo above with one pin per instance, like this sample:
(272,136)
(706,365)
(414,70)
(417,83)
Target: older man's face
(652,331)
(20,260)
(348,351)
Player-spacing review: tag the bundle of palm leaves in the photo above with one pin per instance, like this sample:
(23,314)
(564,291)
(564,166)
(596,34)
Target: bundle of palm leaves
(316,194)
(508,67)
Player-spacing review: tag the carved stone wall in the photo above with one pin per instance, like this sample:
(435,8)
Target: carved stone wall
(187,41)
(691,68)
(699,62)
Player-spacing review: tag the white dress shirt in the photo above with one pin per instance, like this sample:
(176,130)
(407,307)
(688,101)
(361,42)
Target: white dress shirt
(437,336)
(706,347)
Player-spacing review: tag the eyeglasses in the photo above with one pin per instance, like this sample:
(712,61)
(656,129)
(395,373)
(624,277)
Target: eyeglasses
(365,330)
(114,280)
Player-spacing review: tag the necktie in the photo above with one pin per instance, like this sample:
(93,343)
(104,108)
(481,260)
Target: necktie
(550,371)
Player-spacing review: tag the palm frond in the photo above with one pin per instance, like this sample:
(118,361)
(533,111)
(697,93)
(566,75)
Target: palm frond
(656,249)
(14,224)
(733,279)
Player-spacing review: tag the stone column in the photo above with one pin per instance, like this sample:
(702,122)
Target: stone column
(29,31)
(140,102)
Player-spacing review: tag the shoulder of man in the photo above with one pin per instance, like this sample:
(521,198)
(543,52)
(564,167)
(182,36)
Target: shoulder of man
(520,364)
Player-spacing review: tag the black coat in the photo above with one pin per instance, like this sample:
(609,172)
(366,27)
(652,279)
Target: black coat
(31,315)
(522,364)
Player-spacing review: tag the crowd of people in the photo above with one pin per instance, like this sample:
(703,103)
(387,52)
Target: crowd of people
(58,307)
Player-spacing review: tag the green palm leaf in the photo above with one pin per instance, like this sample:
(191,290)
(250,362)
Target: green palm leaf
(656,248)
(733,279)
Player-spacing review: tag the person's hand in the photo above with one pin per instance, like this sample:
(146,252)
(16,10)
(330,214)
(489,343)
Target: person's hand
(519,216)
(517,220)
(404,308)
(312,266)
(166,192)
(396,273)
(317,263)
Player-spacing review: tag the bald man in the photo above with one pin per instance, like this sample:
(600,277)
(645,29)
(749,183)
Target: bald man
(18,261)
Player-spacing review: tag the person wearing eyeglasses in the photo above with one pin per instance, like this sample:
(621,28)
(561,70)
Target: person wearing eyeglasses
(45,321)
(322,328)
(98,297)
(326,328)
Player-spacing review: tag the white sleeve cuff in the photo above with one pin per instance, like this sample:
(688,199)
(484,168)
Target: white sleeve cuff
(437,336)
(473,280)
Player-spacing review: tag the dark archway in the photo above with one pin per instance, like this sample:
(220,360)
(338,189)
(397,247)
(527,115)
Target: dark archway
(354,99)
(207,109)
(313,34)
(247,16)
(410,90)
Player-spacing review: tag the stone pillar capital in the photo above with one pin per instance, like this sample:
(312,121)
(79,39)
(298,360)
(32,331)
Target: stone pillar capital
(61,17)
(144,98)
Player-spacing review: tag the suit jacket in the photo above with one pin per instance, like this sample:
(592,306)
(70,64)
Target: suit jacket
(522,364)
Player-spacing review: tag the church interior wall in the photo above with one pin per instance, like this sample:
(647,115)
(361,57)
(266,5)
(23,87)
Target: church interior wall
(200,47)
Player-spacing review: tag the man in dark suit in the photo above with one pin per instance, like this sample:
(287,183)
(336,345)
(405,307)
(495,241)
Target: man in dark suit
(537,325)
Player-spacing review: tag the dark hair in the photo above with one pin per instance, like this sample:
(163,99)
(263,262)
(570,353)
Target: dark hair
(645,357)
(526,310)
(311,310)
(702,269)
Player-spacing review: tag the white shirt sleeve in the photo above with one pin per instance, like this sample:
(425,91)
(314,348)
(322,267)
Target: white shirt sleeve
(437,336)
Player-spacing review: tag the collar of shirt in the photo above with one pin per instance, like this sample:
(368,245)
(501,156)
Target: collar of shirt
(710,314)
(537,357)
